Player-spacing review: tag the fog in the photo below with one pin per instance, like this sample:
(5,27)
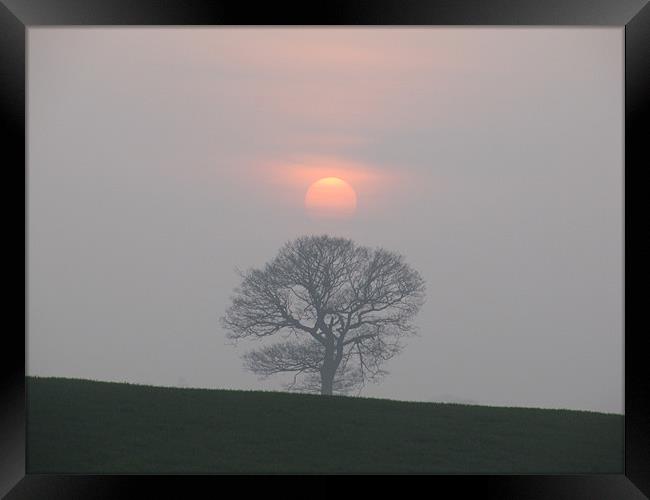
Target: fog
(160,160)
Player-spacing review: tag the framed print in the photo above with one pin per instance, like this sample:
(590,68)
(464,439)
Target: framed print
(346,240)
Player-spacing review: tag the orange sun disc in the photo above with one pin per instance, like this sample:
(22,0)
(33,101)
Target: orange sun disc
(331,197)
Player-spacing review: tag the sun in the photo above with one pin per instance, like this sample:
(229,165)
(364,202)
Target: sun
(331,197)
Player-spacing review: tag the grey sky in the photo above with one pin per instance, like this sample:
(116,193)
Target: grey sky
(492,158)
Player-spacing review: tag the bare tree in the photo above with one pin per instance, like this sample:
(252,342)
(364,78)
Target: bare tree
(341,310)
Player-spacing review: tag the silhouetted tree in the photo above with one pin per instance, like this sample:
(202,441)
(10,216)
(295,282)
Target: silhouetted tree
(341,310)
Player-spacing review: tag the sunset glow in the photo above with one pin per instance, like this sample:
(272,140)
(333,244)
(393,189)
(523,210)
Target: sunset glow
(331,196)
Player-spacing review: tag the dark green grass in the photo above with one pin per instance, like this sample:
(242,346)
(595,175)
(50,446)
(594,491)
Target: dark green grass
(80,426)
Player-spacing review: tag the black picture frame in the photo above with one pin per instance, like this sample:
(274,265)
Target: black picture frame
(634,15)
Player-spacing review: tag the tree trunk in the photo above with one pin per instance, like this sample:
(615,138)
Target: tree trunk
(328,368)
(326,381)
(327,371)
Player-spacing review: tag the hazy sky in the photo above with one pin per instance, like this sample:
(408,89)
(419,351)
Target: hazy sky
(162,159)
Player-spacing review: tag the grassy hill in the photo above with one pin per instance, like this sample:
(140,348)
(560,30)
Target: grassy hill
(80,426)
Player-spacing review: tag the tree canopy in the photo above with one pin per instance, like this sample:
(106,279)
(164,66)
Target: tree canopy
(339,310)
